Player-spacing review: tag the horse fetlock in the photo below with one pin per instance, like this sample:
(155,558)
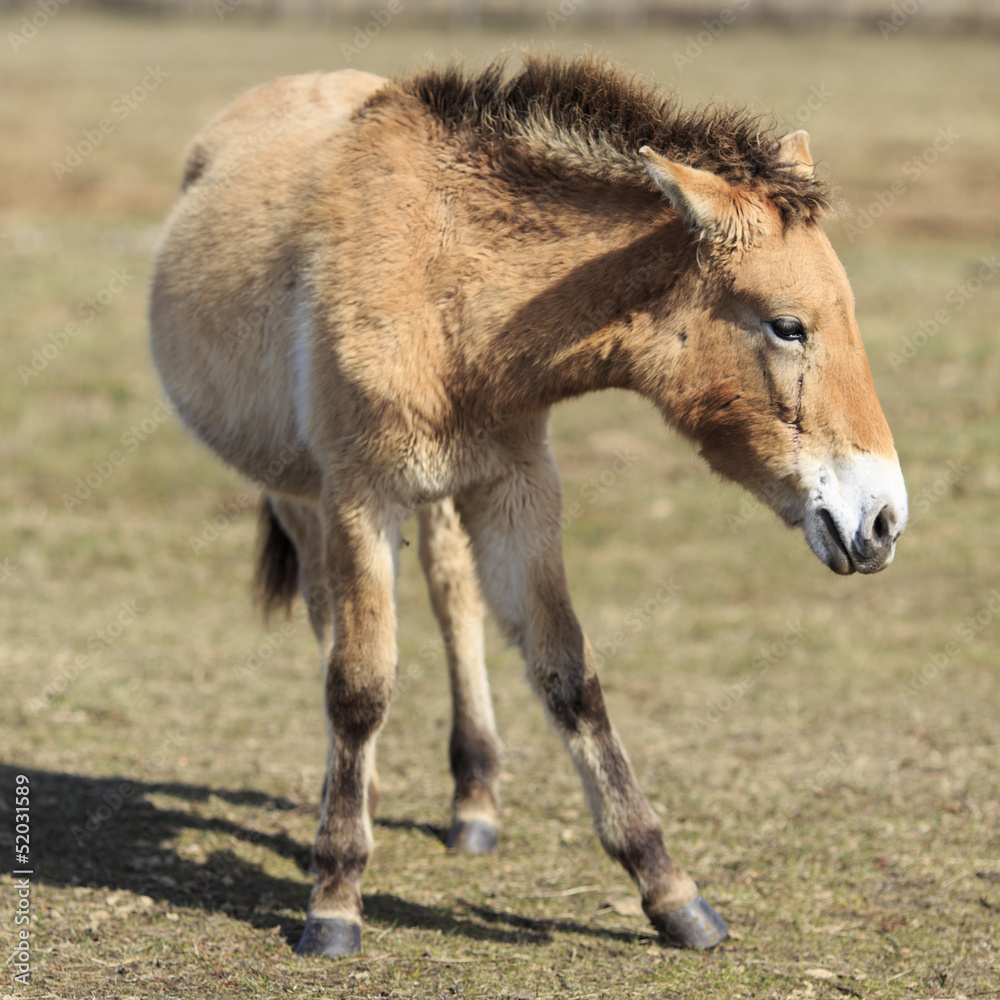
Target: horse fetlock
(475,759)
(669,893)
(340,860)
(476,800)
(335,897)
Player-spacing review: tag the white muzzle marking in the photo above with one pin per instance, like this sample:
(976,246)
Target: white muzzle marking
(855,512)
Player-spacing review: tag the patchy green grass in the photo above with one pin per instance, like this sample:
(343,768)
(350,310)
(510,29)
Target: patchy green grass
(823,752)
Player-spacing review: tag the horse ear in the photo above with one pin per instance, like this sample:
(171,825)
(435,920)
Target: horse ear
(703,198)
(793,151)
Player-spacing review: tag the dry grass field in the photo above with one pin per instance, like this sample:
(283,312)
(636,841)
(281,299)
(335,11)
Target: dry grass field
(824,752)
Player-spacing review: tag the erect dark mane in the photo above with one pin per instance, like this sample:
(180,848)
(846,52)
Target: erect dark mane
(591,117)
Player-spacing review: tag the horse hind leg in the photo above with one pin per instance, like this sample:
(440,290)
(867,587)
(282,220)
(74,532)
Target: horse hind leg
(474,747)
(289,560)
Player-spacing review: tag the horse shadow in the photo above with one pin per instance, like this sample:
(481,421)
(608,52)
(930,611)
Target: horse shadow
(107,833)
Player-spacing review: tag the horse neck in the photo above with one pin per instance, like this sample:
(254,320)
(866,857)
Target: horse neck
(573,306)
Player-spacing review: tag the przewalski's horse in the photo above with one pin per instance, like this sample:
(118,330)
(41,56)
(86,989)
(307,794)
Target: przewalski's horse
(369,296)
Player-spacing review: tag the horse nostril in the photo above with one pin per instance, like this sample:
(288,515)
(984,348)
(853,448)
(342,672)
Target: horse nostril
(883,525)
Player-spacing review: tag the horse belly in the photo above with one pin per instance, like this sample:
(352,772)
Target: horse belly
(224,360)
(230,275)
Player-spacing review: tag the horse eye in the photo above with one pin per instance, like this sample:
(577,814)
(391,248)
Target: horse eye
(787,328)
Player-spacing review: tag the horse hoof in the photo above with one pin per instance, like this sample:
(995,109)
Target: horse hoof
(473,837)
(695,925)
(331,937)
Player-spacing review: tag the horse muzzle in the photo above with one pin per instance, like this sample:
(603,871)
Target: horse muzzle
(856,511)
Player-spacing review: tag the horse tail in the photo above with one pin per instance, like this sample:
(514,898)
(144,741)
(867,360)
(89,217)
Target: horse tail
(276,578)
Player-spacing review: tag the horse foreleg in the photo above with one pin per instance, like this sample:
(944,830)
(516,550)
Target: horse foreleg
(474,748)
(360,679)
(515,527)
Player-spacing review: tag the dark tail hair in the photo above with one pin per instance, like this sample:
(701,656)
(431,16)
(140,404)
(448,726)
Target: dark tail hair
(276,577)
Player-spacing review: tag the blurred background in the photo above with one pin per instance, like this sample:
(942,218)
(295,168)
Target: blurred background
(823,751)
(947,13)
